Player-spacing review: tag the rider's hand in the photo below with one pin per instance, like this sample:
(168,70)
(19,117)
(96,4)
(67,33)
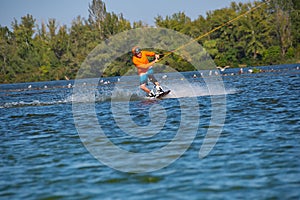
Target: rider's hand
(156,58)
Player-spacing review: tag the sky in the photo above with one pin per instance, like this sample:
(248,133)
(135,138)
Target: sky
(65,11)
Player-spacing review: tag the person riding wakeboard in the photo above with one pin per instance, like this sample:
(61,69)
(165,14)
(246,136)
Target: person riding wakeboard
(145,71)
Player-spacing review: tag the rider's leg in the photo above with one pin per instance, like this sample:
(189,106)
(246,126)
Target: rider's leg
(143,85)
(154,81)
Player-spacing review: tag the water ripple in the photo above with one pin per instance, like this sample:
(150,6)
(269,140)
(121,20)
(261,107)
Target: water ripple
(256,157)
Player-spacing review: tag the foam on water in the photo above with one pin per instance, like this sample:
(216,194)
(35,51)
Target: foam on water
(33,103)
(29,94)
(196,90)
(178,90)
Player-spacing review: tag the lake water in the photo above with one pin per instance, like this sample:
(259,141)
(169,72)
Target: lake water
(47,153)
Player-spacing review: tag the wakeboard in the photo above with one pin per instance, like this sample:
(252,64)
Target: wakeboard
(163,94)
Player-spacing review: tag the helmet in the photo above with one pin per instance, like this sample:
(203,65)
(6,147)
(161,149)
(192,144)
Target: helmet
(135,50)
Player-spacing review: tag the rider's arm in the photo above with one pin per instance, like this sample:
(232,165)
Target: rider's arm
(145,66)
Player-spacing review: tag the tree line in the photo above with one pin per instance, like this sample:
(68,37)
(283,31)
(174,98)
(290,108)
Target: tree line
(48,51)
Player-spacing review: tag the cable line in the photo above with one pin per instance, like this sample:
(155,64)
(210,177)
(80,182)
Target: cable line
(217,28)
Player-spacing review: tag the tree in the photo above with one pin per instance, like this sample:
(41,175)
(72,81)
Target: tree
(23,34)
(114,24)
(199,27)
(5,54)
(254,31)
(281,10)
(272,55)
(225,36)
(139,24)
(178,22)
(295,20)
(79,37)
(265,35)
(97,16)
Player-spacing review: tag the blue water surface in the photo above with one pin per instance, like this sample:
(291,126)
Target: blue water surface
(256,156)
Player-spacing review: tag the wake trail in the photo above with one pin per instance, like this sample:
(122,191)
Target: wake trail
(196,90)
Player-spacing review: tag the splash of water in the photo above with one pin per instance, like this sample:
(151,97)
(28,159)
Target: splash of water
(179,90)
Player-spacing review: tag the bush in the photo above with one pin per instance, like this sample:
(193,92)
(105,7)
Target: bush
(290,53)
(272,55)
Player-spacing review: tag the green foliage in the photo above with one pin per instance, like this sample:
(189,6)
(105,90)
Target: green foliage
(255,70)
(178,22)
(267,35)
(290,53)
(272,55)
(211,47)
